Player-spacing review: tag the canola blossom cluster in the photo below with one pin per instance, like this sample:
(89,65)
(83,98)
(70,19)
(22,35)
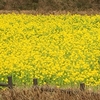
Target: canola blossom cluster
(57,49)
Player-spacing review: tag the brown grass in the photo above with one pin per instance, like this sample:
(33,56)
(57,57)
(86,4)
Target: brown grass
(47,93)
(88,12)
(49,5)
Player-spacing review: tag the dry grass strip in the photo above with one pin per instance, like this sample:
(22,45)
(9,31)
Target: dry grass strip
(47,93)
(88,12)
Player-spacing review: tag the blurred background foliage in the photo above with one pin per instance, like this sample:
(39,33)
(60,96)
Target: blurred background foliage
(49,5)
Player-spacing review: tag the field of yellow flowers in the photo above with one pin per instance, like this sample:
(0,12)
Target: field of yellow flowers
(59,50)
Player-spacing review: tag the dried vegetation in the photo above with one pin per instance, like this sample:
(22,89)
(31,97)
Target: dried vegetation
(47,93)
(49,5)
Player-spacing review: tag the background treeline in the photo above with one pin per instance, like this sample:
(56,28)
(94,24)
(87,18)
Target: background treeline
(49,5)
